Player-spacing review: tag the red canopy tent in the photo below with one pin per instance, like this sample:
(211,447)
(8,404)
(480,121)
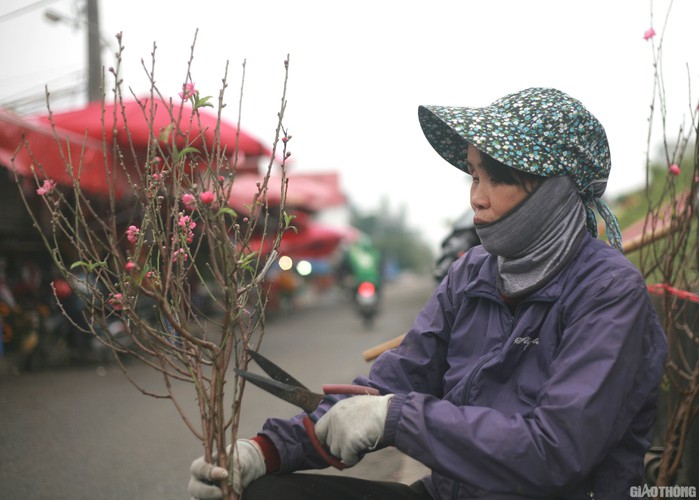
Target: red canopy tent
(146,118)
(310,192)
(315,241)
(311,241)
(306,194)
(27,145)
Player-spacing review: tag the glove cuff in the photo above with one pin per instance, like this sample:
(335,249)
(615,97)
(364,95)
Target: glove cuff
(269,453)
(382,415)
(395,408)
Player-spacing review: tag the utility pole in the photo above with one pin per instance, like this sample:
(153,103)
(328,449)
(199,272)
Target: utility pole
(94,53)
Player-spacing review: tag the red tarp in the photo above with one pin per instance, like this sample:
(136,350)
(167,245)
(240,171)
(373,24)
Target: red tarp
(308,192)
(48,158)
(142,122)
(313,240)
(311,192)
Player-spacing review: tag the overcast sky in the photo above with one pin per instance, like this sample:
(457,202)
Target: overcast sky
(359,70)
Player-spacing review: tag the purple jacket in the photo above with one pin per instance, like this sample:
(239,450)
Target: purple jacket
(554,399)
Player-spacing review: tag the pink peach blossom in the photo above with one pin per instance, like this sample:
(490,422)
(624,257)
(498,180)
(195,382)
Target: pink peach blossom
(189,201)
(132,234)
(188,91)
(46,187)
(207,197)
(650,33)
(179,252)
(115,300)
(674,169)
(186,223)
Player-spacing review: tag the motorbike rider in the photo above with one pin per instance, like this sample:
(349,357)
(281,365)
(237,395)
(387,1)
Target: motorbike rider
(361,262)
(533,370)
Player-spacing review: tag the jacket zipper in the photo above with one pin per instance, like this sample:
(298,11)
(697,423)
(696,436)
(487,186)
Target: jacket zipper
(467,390)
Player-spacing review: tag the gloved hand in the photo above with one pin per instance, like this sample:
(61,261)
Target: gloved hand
(248,465)
(353,426)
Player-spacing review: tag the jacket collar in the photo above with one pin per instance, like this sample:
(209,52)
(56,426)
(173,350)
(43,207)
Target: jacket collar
(483,283)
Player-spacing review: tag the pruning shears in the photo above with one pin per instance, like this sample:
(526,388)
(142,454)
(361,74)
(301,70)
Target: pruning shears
(286,387)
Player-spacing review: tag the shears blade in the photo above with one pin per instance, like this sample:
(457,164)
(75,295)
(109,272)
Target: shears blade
(299,396)
(286,387)
(273,370)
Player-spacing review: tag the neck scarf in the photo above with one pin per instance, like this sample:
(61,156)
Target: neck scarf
(537,238)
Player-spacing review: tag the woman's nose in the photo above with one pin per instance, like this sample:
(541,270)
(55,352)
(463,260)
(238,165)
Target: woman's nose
(479,199)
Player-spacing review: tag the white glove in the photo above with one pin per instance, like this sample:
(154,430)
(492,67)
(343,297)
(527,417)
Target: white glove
(353,426)
(248,465)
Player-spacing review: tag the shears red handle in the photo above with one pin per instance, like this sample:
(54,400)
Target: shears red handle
(309,423)
(285,386)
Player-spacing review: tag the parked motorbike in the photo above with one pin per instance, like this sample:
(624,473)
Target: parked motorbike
(461,238)
(67,338)
(366,299)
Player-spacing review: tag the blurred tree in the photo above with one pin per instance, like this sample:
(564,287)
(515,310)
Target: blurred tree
(397,242)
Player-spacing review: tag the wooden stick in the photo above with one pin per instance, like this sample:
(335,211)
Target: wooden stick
(644,239)
(373,353)
(630,246)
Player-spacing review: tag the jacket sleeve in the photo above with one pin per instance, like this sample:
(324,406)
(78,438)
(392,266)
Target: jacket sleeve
(412,367)
(609,358)
(419,363)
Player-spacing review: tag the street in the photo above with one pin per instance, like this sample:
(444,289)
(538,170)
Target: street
(87,433)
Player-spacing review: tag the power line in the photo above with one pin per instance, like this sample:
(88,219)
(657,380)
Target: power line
(25,9)
(36,103)
(34,99)
(23,78)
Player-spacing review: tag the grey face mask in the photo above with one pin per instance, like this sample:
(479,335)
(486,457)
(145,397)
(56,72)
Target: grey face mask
(537,238)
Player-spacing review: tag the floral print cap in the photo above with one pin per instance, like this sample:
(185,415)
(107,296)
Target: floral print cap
(538,130)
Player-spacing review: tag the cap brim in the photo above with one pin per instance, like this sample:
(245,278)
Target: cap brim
(450,129)
(442,135)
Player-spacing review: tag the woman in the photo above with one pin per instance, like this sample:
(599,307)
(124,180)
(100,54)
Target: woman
(532,372)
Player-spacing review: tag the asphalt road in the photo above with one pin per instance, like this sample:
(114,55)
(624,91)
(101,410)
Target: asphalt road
(87,433)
